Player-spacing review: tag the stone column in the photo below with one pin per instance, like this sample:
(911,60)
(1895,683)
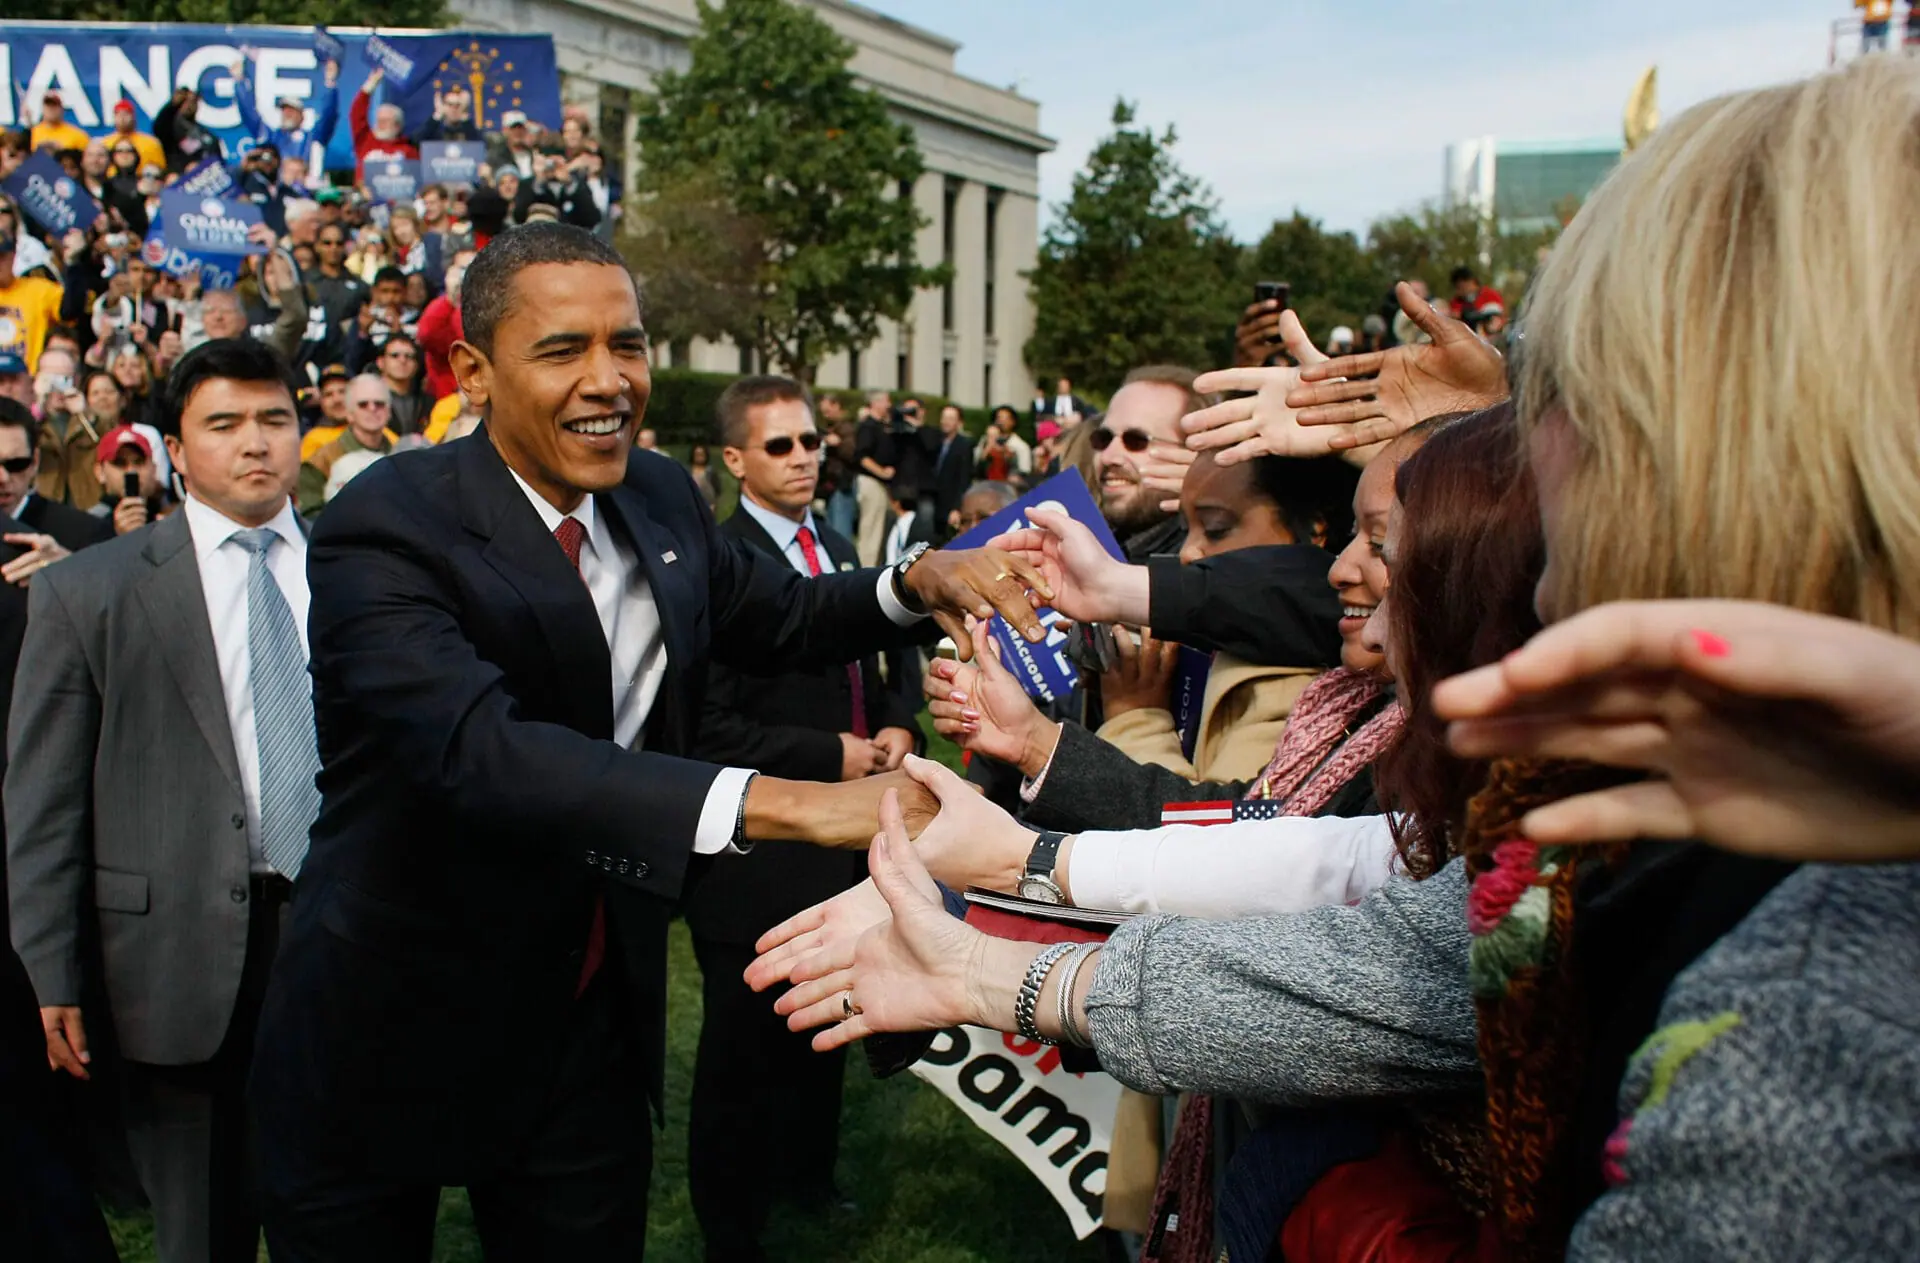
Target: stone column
(1017,224)
(924,354)
(969,292)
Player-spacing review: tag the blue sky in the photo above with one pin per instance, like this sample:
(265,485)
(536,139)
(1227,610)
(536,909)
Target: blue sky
(1345,109)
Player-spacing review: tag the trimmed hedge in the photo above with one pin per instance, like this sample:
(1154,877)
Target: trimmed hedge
(681,410)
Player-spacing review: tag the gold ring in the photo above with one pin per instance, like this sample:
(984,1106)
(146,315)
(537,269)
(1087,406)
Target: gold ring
(846,1006)
(1002,575)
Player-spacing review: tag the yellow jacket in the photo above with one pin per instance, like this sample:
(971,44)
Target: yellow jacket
(1241,717)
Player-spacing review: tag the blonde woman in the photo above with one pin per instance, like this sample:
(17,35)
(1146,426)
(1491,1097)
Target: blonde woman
(1687,1053)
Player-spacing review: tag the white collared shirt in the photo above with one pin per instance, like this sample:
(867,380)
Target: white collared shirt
(223,583)
(638,646)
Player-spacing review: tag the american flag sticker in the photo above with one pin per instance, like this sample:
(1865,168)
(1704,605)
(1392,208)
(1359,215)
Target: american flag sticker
(669,557)
(1224,811)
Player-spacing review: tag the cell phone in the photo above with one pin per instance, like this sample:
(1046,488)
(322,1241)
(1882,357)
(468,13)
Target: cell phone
(1273,291)
(130,485)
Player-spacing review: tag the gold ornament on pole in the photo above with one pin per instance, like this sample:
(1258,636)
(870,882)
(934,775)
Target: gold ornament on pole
(1643,109)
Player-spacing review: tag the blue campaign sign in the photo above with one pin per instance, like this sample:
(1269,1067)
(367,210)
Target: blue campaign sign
(216,271)
(207,179)
(208,225)
(53,201)
(94,64)
(1042,668)
(451,161)
(392,179)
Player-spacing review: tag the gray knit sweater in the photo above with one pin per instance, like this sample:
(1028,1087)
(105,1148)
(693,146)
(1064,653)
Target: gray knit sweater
(1352,1003)
(1776,1112)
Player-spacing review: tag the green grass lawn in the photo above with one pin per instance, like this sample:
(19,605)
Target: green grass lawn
(931,1188)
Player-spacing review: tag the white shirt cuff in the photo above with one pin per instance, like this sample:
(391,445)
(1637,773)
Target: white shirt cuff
(890,604)
(1030,786)
(714,834)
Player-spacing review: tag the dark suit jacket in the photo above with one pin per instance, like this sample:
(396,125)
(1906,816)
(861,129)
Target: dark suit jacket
(474,805)
(952,475)
(787,726)
(72,528)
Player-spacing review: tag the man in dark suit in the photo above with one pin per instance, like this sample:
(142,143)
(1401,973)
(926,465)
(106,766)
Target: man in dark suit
(952,472)
(44,529)
(511,634)
(1066,408)
(759,1088)
(160,786)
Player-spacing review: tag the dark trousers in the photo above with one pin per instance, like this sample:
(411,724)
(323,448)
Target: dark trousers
(187,1126)
(766,1109)
(577,1190)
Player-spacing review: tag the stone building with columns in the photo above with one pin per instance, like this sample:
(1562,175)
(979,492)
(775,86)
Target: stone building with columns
(979,193)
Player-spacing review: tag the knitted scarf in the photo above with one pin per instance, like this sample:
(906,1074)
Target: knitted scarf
(1315,757)
(1532,1020)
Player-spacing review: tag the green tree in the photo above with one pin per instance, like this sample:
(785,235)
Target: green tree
(383,13)
(701,259)
(768,122)
(1335,280)
(1135,268)
(1427,244)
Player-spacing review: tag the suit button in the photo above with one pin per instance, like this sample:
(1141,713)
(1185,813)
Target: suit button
(592,858)
(621,868)
(238,894)
(239,820)
(640,868)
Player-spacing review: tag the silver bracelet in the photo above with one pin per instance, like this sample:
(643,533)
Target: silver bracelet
(1070,978)
(1028,1000)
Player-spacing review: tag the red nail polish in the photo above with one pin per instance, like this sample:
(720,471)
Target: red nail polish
(1710,644)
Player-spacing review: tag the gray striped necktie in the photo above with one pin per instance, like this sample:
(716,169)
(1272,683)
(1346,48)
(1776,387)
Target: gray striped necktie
(282,712)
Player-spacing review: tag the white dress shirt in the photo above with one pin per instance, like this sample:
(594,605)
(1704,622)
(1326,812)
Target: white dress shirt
(1247,868)
(223,583)
(785,533)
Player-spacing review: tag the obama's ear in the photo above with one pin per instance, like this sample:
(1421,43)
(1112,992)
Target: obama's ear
(474,371)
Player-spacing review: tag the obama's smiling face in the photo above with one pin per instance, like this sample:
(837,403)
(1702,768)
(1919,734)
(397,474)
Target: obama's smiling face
(565,381)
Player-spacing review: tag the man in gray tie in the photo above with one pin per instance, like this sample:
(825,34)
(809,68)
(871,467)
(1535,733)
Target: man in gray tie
(161,783)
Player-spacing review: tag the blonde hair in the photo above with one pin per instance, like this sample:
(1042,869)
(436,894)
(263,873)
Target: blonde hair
(1728,326)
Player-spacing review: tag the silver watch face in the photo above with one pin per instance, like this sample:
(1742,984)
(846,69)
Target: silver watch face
(1041,890)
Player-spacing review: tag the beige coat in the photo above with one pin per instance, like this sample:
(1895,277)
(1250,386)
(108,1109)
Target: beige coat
(1241,718)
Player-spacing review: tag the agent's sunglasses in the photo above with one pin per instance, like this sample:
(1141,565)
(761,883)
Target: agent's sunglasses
(783,446)
(1135,440)
(17,464)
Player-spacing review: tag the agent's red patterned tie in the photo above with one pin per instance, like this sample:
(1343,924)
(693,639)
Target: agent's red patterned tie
(571,535)
(855,680)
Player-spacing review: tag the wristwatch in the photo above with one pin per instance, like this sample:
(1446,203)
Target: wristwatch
(1037,882)
(900,568)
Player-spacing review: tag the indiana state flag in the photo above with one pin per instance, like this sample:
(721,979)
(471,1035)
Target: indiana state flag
(503,72)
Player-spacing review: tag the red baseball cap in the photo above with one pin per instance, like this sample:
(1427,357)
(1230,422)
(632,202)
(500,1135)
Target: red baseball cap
(118,437)
(123,104)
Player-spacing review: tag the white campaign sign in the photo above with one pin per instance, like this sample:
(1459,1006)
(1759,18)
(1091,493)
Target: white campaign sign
(1058,1123)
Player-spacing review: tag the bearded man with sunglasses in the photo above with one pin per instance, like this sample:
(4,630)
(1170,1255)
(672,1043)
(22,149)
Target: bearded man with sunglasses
(759,1088)
(1140,456)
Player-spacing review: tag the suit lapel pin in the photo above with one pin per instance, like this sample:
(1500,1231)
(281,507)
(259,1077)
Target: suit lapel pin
(669,557)
(846,565)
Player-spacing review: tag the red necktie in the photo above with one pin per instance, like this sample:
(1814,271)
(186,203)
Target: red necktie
(855,680)
(571,535)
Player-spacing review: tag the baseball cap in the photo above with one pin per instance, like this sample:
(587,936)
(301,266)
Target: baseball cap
(12,365)
(513,118)
(50,98)
(335,373)
(291,103)
(1341,333)
(1374,325)
(118,437)
(123,105)
(1047,430)
(1492,307)
(329,195)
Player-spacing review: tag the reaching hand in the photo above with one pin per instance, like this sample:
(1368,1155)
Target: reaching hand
(890,747)
(1141,677)
(1457,372)
(1259,424)
(1163,467)
(953,583)
(1258,330)
(819,941)
(1765,730)
(42,551)
(982,706)
(373,79)
(858,757)
(911,972)
(971,842)
(1084,580)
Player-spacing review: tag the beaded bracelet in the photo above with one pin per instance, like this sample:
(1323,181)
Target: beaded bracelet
(1028,998)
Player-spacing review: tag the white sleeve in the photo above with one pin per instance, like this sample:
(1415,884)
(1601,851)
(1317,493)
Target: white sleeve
(1248,868)
(713,834)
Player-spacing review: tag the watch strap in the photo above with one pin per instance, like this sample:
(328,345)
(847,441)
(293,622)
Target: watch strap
(1045,854)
